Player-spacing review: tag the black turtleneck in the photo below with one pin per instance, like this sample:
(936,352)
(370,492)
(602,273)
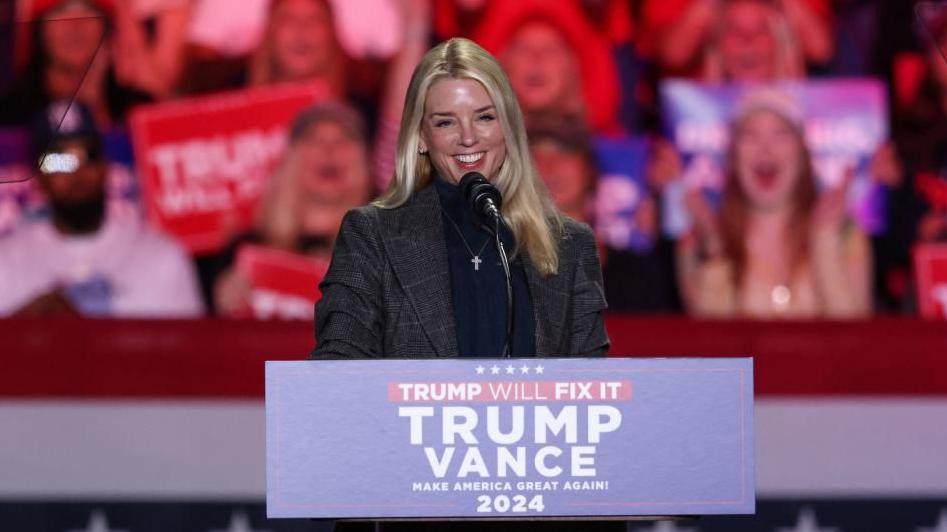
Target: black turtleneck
(479,296)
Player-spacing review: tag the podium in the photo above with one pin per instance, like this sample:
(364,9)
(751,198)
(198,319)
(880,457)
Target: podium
(489,439)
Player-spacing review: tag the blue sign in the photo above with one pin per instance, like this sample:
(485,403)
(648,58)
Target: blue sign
(845,122)
(509,437)
(622,189)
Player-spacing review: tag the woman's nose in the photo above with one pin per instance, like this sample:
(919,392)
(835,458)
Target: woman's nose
(468,135)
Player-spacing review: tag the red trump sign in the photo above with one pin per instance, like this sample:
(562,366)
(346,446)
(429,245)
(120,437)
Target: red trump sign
(205,161)
(284,285)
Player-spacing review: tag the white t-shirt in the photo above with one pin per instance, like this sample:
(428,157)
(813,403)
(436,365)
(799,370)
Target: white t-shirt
(123,270)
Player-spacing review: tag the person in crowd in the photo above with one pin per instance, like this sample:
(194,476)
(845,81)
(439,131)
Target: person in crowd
(777,248)
(555,59)
(299,43)
(462,18)
(79,260)
(413,274)
(69,56)
(635,281)
(739,40)
(762,41)
(324,173)
(279,41)
(752,41)
(149,44)
(592,26)
(562,151)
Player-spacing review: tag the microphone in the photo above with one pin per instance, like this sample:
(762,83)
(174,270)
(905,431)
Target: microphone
(484,199)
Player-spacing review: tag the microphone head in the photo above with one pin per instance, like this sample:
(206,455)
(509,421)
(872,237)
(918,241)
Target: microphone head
(476,190)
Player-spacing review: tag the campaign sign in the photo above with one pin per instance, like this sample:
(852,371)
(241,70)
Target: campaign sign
(930,269)
(845,122)
(621,192)
(205,161)
(509,438)
(284,285)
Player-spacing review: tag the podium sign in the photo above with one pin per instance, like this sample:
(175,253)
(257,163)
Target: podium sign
(509,438)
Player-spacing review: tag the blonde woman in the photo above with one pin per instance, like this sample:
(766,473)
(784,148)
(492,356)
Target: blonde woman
(412,275)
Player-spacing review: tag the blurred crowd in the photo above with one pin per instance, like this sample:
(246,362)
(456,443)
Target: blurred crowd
(774,244)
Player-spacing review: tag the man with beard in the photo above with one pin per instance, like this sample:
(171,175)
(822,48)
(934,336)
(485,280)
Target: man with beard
(79,260)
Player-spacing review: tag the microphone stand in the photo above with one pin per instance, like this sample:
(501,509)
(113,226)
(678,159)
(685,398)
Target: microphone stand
(501,250)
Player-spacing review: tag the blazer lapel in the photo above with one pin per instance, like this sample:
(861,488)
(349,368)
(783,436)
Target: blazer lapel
(414,240)
(549,310)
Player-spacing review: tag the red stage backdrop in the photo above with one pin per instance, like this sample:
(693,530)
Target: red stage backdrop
(159,425)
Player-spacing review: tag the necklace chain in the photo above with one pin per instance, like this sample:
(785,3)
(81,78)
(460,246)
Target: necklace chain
(475,258)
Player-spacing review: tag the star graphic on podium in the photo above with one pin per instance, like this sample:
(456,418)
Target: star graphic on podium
(666,526)
(494,370)
(940,526)
(239,522)
(480,370)
(524,369)
(98,523)
(510,369)
(538,370)
(806,522)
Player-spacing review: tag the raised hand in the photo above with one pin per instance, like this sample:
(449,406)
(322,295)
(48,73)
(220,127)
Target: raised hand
(830,212)
(706,227)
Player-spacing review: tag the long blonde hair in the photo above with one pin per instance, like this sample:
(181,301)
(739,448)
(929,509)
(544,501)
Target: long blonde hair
(529,212)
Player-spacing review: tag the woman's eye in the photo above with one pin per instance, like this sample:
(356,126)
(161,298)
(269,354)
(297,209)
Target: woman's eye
(486,117)
(442,123)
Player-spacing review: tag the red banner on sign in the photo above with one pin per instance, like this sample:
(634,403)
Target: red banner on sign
(205,161)
(284,285)
(930,269)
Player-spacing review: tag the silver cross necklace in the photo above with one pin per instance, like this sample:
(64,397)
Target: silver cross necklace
(476,260)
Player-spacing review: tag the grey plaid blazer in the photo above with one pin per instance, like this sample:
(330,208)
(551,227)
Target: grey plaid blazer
(387,291)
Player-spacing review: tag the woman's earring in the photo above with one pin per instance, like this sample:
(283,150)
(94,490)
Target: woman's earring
(422,151)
